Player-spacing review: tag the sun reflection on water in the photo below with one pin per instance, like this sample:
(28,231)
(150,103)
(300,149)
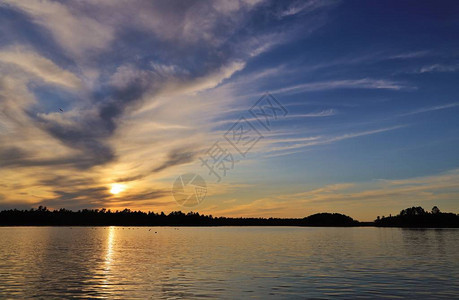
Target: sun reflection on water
(108,257)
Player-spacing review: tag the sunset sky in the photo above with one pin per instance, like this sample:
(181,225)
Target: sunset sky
(103,104)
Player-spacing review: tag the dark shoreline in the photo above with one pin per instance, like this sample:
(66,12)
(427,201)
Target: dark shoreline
(219,226)
(414,217)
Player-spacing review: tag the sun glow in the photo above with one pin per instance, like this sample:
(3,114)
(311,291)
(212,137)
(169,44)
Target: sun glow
(117,188)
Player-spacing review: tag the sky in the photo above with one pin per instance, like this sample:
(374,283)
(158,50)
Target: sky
(105,104)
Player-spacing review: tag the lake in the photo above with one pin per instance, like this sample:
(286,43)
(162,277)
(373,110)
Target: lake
(228,262)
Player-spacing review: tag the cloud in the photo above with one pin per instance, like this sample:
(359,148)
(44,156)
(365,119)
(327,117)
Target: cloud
(323,113)
(429,109)
(411,55)
(212,80)
(302,142)
(304,7)
(86,136)
(39,67)
(74,31)
(319,114)
(420,189)
(176,157)
(8,156)
(439,68)
(365,83)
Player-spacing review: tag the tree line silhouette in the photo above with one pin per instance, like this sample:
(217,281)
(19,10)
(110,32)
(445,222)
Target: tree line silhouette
(410,217)
(418,217)
(103,217)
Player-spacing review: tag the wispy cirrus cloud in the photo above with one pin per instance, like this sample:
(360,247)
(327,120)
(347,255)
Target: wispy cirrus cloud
(316,114)
(365,83)
(439,68)
(323,113)
(304,7)
(39,67)
(411,55)
(73,30)
(278,146)
(429,109)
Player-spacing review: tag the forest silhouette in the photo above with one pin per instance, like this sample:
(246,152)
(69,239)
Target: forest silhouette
(418,217)
(410,217)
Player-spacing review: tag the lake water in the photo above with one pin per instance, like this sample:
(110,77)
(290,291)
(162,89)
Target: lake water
(228,262)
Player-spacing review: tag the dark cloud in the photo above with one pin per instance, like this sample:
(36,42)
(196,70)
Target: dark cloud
(99,197)
(21,160)
(90,132)
(130,178)
(14,157)
(155,194)
(78,198)
(10,155)
(97,192)
(65,182)
(88,137)
(175,158)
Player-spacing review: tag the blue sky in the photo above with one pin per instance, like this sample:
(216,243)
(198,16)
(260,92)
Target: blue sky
(147,87)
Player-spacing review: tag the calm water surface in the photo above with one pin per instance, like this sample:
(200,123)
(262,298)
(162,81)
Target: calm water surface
(228,262)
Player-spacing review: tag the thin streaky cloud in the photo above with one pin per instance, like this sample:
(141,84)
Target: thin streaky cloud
(39,67)
(428,109)
(74,31)
(438,68)
(315,141)
(305,7)
(320,114)
(409,55)
(365,83)
(323,113)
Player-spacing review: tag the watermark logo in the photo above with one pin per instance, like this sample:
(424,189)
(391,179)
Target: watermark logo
(189,189)
(267,109)
(243,136)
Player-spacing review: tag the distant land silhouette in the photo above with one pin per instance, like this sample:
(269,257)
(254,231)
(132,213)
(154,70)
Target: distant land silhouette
(410,217)
(418,217)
